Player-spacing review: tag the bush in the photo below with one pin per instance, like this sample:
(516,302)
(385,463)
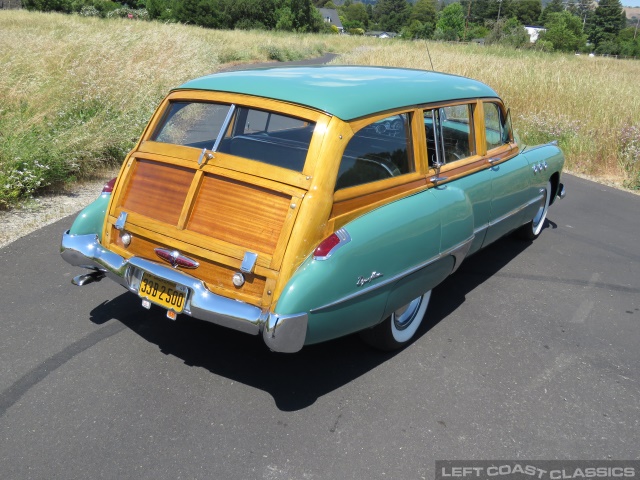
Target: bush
(630,155)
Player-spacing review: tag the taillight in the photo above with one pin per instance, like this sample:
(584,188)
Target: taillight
(108,187)
(330,244)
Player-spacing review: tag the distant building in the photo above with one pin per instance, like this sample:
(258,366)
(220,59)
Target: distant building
(330,16)
(534,33)
(381,34)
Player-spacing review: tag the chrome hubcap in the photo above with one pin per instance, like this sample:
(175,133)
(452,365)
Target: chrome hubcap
(403,317)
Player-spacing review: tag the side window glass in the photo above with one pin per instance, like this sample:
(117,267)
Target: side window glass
(497,130)
(378,151)
(449,132)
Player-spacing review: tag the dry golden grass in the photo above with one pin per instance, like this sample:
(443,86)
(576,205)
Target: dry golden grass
(76,92)
(588,103)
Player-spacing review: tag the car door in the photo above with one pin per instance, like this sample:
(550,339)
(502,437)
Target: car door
(510,173)
(458,172)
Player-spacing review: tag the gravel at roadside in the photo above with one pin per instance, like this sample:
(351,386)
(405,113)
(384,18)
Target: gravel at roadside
(46,209)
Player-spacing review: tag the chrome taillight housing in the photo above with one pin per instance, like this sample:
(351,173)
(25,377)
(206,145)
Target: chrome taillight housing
(330,244)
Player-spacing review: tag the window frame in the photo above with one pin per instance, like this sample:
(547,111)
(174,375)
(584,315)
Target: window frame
(388,184)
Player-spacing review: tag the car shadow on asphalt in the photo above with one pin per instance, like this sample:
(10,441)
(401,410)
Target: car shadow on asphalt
(295,381)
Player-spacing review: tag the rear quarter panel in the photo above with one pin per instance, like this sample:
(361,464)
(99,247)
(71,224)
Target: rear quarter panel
(393,240)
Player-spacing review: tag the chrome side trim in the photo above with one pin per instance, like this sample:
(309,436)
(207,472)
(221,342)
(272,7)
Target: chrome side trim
(541,145)
(458,252)
(513,212)
(480,229)
(282,333)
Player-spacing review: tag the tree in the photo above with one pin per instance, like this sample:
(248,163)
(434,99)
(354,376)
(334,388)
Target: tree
(508,31)
(48,5)
(629,43)
(206,13)
(450,25)
(306,17)
(248,14)
(607,21)
(528,11)
(392,15)
(424,11)
(356,13)
(554,6)
(418,30)
(564,32)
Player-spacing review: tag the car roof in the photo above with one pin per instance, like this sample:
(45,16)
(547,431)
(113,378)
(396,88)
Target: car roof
(347,92)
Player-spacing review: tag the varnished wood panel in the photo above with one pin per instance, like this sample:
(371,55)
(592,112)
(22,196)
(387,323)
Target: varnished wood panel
(216,275)
(239,213)
(373,199)
(157,190)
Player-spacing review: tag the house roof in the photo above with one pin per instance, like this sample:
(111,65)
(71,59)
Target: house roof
(347,92)
(331,15)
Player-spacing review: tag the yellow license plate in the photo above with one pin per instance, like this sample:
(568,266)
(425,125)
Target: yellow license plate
(163,293)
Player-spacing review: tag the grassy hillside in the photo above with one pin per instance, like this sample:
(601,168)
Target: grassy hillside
(76,92)
(591,105)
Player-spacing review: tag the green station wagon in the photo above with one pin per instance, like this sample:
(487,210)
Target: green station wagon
(308,203)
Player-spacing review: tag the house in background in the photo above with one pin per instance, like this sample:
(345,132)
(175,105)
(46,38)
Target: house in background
(378,34)
(534,33)
(330,16)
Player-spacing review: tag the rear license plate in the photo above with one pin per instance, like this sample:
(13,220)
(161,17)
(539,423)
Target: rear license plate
(163,293)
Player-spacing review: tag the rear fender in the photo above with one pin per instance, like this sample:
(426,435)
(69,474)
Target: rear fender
(91,218)
(350,290)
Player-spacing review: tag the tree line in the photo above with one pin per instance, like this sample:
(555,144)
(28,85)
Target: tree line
(569,25)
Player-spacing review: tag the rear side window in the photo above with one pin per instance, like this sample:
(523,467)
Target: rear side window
(449,133)
(250,133)
(378,151)
(496,127)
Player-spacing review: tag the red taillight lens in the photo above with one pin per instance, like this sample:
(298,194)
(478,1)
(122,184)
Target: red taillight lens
(330,244)
(108,187)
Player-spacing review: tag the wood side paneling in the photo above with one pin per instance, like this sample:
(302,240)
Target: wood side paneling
(238,212)
(157,190)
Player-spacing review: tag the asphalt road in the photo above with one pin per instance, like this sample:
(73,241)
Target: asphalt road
(531,352)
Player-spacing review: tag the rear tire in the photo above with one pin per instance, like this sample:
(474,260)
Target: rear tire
(532,229)
(398,329)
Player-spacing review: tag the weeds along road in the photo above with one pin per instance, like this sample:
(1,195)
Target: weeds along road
(530,352)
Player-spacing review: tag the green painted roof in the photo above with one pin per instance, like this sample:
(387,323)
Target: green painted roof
(347,92)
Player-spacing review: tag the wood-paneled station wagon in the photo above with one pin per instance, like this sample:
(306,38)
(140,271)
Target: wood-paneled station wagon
(304,204)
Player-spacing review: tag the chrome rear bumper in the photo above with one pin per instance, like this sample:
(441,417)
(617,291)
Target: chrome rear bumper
(285,333)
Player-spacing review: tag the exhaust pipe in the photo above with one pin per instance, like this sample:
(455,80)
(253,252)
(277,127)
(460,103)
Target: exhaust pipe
(88,278)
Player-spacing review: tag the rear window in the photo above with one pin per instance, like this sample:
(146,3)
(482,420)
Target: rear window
(259,135)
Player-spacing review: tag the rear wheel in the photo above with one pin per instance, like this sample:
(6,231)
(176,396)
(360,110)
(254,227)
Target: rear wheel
(532,229)
(399,327)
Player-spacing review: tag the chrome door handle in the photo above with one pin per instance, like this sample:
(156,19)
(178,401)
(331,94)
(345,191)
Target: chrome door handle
(438,179)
